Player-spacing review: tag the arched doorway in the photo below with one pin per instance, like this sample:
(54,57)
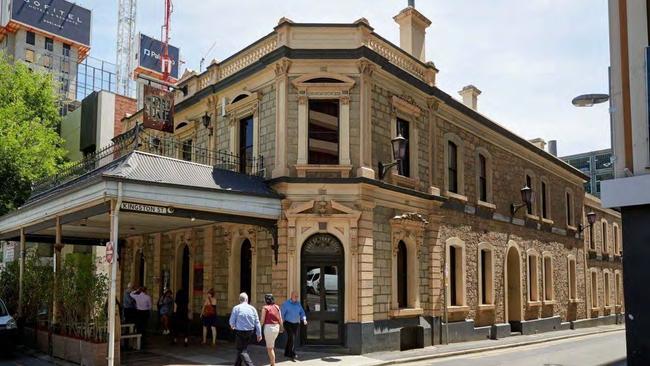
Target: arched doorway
(322,279)
(246,268)
(513,279)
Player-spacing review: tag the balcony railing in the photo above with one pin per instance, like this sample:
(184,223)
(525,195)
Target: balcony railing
(138,139)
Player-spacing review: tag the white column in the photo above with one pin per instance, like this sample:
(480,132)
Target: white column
(58,245)
(114,238)
(21,272)
(344,131)
(303,115)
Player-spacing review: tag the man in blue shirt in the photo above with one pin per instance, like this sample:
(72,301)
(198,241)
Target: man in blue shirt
(245,322)
(293,314)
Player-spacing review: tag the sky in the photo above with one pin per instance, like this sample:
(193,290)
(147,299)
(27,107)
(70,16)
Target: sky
(529,58)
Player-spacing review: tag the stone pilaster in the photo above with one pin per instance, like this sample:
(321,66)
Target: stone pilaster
(281,168)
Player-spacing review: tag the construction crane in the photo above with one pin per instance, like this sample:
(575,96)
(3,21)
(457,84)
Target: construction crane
(125,60)
(165,60)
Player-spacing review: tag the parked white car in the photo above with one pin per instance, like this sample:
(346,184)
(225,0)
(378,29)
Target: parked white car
(314,278)
(8,329)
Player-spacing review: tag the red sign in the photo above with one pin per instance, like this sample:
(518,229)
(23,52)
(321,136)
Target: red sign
(109,252)
(158,111)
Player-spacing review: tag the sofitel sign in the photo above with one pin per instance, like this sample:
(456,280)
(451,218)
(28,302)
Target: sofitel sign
(158,111)
(58,17)
(150,209)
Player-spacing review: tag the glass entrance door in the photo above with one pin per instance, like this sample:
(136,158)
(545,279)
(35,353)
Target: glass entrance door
(323,291)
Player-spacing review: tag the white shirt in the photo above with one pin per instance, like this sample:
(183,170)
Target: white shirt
(142,300)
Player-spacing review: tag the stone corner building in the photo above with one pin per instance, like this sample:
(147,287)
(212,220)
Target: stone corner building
(428,254)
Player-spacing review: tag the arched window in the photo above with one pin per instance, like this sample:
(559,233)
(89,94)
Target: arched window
(617,243)
(402,275)
(545,198)
(572,278)
(529,184)
(618,295)
(456,271)
(482,178)
(452,167)
(486,274)
(533,276)
(605,238)
(568,197)
(606,289)
(594,288)
(245,265)
(548,277)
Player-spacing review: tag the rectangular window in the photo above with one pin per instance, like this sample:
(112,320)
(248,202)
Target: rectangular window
(605,241)
(453,299)
(617,248)
(533,280)
(187,150)
(482,178)
(544,201)
(323,132)
(65,85)
(548,279)
(572,279)
(569,209)
(246,144)
(49,44)
(404,166)
(486,277)
(452,166)
(617,279)
(46,60)
(30,38)
(592,240)
(606,288)
(29,55)
(66,50)
(529,184)
(594,289)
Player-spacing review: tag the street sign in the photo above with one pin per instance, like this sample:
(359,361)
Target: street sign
(109,252)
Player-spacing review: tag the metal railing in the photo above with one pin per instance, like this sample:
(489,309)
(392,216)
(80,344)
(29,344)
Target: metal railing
(138,139)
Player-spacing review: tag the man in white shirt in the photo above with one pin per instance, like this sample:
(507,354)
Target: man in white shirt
(143,308)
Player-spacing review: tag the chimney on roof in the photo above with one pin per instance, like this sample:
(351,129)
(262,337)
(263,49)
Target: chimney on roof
(539,142)
(470,95)
(412,30)
(552,147)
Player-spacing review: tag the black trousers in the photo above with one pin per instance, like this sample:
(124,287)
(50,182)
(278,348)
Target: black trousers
(242,339)
(142,318)
(292,331)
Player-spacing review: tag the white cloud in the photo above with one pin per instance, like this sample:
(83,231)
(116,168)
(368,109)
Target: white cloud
(529,57)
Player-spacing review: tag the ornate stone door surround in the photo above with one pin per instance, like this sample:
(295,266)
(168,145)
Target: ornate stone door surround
(305,219)
(234,236)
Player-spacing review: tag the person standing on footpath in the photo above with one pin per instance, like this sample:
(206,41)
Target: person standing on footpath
(165,305)
(128,305)
(272,323)
(246,324)
(292,314)
(143,307)
(181,321)
(209,317)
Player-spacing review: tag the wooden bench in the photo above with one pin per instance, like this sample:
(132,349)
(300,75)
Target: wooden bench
(137,337)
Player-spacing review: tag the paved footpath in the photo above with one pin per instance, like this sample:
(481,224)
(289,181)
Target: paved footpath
(161,353)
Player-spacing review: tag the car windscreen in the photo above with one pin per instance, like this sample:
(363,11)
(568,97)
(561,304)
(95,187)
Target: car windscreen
(3,309)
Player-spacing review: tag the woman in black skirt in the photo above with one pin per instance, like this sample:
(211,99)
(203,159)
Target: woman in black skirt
(181,320)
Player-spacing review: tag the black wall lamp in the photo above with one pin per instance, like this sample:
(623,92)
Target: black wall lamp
(399,152)
(206,119)
(591,219)
(526,200)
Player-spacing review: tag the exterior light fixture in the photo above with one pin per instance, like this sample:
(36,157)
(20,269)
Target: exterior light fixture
(588,100)
(591,220)
(526,200)
(206,119)
(398,145)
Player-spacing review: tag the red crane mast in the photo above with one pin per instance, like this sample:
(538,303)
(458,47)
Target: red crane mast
(166,61)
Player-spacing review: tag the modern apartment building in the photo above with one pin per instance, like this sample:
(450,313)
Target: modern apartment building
(52,36)
(630,190)
(598,165)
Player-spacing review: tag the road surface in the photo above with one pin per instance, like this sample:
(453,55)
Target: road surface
(599,349)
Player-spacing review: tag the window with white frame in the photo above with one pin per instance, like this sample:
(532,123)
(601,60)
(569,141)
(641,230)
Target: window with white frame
(407,231)
(533,276)
(404,166)
(486,274)
(548,277)
(402,275)
(456,271)
(323,131)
